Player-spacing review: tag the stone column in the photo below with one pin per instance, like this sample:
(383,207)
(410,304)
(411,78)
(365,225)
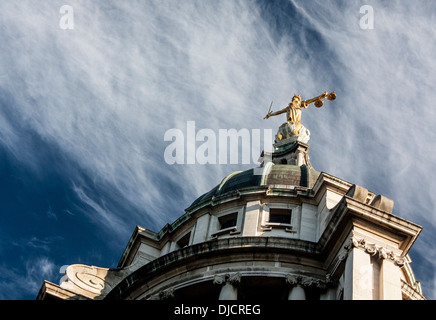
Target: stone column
(299,284)
(251,219)
(329,294)
(297,291)
(371,272)
(359,282)
(229,282)
(201,227)
(329,289)
(390,279)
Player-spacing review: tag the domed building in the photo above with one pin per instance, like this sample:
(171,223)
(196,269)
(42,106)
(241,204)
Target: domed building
(277,232)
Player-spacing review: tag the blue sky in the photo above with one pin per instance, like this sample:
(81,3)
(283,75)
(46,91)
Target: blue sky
(83,114)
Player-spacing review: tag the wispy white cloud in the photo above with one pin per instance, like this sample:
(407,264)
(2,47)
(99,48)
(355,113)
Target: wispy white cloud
(99,213)
(106,91)
(14,284)
(39,243)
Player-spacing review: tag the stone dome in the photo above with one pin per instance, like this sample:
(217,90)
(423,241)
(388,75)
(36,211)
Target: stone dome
(278,175)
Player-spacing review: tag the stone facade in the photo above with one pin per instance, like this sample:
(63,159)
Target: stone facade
(287,233)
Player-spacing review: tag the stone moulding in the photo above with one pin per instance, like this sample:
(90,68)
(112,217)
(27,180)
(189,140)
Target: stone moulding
(411,292)
(305,281)
(374,250)
(352,210)
(197,251)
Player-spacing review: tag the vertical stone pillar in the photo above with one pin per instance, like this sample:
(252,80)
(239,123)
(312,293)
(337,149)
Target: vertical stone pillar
(358,284)
(390,280)
(251,219)
(300,158)
(329,294)
(228,292)
(297,291)
(201,227)
(371,272)
(229,282)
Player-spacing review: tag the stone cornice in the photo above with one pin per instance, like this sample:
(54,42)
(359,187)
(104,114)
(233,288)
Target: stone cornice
(349,210)
(54,290)
(410,292)
(383,218)
(327,181)
(377,251)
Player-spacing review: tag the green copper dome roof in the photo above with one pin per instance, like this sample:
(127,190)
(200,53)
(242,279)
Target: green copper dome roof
(272,174)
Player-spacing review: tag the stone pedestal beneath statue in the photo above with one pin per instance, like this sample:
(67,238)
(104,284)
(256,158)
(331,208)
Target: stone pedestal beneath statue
(289,148)
(288,131)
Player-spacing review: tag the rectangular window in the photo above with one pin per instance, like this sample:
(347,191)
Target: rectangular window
(228,220)
(184,241)
(227,224)
(280,216)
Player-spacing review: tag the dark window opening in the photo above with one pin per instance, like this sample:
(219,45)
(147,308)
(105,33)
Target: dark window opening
(184,241)
(280,216)
(228,220)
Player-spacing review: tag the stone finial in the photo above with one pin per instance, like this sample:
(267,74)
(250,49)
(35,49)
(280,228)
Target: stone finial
(358,193)
(383,203)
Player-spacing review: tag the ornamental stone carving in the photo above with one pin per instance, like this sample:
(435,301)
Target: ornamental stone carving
(88,280)
(166,294)
(293,280)
(374,250)
(305,281)
(234,278)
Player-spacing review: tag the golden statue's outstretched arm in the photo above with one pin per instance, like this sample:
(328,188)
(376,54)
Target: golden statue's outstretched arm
(318,100)
(271,114)
(296,104)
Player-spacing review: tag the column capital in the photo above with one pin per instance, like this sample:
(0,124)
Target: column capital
(305,281)
(166,294)
(372,249)
(232,278)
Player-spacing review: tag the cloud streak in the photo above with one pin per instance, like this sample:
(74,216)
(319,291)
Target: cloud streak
(106,92)
(14,284)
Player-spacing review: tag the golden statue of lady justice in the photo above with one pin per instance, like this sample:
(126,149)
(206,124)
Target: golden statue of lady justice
(293,110)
